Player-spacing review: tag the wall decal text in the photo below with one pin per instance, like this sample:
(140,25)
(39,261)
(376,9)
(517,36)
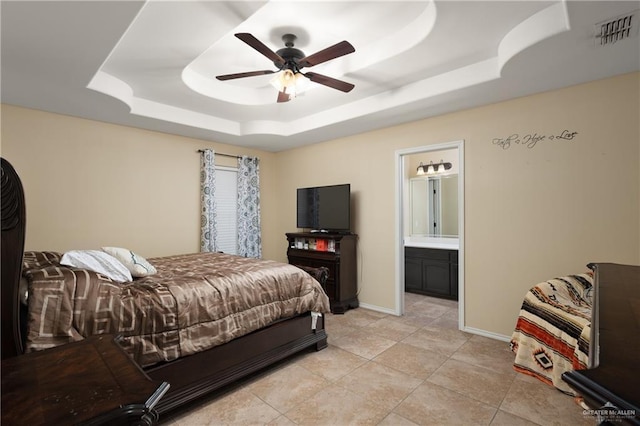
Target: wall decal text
(532,139)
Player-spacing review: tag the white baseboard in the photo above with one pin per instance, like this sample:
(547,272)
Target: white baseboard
(488,334)
(471,330)
(378,309)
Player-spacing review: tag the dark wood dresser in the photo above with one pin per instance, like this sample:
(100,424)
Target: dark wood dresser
(611,388)
(90,382)
(337,253)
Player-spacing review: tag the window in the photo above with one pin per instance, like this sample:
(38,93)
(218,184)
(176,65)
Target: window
(227,209)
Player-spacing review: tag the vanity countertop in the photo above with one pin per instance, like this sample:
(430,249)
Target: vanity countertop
(432,242)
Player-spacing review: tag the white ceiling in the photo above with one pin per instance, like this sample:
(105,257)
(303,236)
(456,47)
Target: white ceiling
(152,64)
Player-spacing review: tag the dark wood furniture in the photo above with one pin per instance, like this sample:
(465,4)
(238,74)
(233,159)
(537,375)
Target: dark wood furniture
(88,382)
(196,375)
(13,234)
(614,351)
(190,377)
(433,272)
(339,257)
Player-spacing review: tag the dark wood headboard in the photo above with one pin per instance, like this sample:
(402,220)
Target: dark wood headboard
(11,252)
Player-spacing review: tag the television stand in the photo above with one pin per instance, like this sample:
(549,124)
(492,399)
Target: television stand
(337,253)
(325,231)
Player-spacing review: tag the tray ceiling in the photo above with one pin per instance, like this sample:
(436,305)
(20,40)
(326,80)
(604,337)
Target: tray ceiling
(153,64)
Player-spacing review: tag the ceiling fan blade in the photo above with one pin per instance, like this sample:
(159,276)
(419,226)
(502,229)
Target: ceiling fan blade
(332,52)
(283,97)
(328,81)
(243,74)
(260,47)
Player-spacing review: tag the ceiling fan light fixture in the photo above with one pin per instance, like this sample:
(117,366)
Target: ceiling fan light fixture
(289,82)
(289,60)
(283,80)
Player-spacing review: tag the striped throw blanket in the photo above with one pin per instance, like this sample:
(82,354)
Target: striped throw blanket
(553,329)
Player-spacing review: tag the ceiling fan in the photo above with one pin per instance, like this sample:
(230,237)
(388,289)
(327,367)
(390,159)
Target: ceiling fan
(290,61)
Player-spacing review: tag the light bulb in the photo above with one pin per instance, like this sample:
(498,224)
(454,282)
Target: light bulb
(286,81)
(283,80)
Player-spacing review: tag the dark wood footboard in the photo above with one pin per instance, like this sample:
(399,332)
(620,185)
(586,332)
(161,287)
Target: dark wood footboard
(196,375)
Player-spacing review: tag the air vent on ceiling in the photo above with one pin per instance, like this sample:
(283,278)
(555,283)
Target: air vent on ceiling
(617,29)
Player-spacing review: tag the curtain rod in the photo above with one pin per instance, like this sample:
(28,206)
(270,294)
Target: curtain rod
(220,153)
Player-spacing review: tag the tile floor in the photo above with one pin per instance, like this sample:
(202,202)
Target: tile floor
(380,369)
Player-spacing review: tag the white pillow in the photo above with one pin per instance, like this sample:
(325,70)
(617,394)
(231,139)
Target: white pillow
(136,264)
(97,261)
(23,291)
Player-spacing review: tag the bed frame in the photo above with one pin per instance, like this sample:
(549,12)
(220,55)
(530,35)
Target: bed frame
(190,377)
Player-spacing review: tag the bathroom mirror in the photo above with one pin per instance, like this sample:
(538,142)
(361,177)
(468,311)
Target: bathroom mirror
(434,206)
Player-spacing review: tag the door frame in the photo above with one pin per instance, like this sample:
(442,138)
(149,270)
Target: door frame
(400,201)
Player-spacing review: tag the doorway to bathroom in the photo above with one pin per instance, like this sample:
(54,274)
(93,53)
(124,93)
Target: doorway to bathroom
(430,219)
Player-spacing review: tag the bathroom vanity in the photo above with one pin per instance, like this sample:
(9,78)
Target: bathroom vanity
(431,245)
(431,268)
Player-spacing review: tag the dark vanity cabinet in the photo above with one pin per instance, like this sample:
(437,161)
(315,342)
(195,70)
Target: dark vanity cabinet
(433,272)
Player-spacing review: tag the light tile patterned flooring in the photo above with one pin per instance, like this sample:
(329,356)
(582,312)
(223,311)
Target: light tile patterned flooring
(380,369)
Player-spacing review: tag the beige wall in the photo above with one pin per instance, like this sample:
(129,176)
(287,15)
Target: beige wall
(89,184)
(531,214)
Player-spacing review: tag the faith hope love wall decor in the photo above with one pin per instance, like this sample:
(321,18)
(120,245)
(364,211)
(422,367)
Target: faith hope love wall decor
(531,140)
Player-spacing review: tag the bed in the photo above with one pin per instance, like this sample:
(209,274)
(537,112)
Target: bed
(553,329)
(161,320)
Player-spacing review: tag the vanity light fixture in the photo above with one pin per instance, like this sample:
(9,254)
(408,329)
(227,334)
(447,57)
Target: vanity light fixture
(431,168)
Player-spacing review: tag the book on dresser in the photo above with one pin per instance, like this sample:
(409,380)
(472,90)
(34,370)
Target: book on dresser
(336,252)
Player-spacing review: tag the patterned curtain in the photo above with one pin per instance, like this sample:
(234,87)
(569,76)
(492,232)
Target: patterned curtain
(249,234)
(208,222)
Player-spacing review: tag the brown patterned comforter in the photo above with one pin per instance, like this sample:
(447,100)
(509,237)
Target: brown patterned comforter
(193,303)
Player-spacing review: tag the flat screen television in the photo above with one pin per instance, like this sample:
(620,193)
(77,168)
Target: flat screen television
(325,208)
